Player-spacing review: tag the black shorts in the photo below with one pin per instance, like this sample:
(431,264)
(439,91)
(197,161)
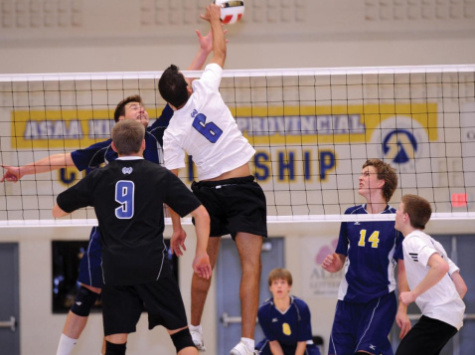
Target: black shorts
(234,205)
(123,305)
(428,336)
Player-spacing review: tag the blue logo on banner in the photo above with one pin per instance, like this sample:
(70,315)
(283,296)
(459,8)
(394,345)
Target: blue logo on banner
(400,146)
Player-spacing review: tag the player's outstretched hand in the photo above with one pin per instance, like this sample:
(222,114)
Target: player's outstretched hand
(213,12)
(202,266)
(403,322)
(177,242)
(12,173)
(206,42)
(407,297)
(332,263)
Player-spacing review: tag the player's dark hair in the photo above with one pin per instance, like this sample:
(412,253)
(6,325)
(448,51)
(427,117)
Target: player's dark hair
(277,274)
(173,87)
(418,210)
(120,108)
(127,136)
(387,173)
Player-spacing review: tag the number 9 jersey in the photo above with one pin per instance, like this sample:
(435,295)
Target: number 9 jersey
(205,129)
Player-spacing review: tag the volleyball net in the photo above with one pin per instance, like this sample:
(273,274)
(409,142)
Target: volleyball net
(312,130)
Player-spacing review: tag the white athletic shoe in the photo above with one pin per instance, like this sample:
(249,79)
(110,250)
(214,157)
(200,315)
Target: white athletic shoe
(242,349)
(198,340)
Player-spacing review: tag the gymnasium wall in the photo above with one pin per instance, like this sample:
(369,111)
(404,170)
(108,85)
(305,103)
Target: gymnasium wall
(121,35)
(143,35)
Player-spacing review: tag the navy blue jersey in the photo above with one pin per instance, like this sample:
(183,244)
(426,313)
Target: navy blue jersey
(287,328)
(371,249)
(99,153)
(128,196)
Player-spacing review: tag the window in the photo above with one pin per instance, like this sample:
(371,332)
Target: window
(66,257)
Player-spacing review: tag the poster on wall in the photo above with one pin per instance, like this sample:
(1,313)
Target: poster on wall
(317,282)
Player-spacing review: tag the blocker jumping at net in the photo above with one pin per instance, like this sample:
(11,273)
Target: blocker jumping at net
(90,274)
(369,251)
(204,127)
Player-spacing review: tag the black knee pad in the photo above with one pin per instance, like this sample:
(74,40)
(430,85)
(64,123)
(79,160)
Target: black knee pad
(182,339)
(84,301)
(115,349)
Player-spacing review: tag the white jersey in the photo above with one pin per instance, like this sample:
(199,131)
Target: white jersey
(441,301)
(205,129)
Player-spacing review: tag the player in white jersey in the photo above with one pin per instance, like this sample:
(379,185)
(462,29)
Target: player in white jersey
(204,128)
(434,281)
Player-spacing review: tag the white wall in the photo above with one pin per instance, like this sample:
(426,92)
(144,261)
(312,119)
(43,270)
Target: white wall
(121,35)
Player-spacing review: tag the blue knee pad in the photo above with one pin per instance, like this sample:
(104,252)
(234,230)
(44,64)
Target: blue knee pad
(84,301)
(182,339)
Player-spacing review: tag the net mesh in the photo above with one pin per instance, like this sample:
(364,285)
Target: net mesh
(312,130)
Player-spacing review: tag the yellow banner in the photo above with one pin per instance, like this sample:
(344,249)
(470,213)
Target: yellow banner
(310,125)
(70,129)
(262,126)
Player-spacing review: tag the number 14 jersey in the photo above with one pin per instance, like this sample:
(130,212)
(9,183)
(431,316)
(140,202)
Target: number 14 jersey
(372,249)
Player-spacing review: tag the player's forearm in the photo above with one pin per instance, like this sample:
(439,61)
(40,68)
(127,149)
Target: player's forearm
(275,348)
(202,222)
(402,284)
(301,346)
(58,212)
(53,162)
(199,60)
(219,42)
(176,219)
(436,272)
(459,283)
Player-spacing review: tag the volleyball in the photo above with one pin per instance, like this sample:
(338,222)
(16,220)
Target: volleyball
(231,10)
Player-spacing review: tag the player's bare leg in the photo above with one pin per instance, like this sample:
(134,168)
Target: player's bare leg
(75,324)
(200,286)
(249,248)
(199,291)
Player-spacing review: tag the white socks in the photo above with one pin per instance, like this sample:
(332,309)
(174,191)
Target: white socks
(66,345)
(196,328)
(249,343)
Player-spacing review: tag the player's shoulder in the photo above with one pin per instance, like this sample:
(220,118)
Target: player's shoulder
(417,238)
(389,209)
(418,234)
(266,305)
(300,303)
(100,145)
(358,209)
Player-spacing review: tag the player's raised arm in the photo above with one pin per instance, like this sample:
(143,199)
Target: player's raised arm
(53,162)
(212,15)
(206,46)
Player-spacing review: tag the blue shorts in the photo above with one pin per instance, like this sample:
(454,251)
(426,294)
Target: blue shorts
(90,271)
(363,326)
(264,348)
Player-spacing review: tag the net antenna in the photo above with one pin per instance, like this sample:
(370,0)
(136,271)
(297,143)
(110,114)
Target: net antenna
(312,130)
